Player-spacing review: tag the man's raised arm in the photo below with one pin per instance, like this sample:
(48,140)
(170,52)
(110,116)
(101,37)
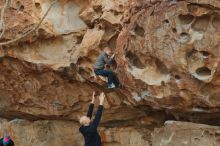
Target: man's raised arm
(91,106)
(99,111)
(108,60)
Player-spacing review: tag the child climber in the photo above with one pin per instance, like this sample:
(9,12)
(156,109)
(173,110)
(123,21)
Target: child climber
(105,58)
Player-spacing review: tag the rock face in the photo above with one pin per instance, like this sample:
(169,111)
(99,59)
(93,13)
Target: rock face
(167,60)
(173,51)
(56,133)
(186,134)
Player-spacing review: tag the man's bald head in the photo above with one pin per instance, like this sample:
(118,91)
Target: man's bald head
(84,120)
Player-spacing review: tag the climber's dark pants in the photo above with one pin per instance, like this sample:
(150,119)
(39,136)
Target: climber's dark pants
(112,78)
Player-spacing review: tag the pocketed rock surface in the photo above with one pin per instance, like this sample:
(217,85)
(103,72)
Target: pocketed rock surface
(167,60)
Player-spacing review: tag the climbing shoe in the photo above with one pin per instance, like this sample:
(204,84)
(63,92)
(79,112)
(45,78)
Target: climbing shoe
(111,86)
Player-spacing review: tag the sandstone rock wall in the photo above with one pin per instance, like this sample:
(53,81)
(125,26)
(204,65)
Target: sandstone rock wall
(57,133)
(186,134)
(167,60)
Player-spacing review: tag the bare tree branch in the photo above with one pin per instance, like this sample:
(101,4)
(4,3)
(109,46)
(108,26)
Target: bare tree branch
(34,29)
(2,18)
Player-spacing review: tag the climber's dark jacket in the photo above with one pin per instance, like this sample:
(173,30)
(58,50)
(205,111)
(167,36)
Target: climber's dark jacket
(11,143)
(90,132)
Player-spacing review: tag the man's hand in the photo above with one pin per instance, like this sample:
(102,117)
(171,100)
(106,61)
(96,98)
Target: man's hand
(93,97)
(101,98)
(107,67)
(112,56)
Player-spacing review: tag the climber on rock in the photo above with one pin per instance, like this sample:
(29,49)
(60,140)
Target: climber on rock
(6,141)
(89,128)
(105,58)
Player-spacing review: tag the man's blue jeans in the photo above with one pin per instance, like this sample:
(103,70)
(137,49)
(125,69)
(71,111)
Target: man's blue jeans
(108,73)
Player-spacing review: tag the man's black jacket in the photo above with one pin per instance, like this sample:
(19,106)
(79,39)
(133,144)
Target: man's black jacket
(11,143)
(90,132)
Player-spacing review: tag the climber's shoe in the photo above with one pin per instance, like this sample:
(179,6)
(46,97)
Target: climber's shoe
(111,86)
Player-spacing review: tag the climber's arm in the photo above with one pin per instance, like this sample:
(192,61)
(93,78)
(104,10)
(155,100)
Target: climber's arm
(98,116)
(108,60)
(91,106)
(90,110)
(99,111)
